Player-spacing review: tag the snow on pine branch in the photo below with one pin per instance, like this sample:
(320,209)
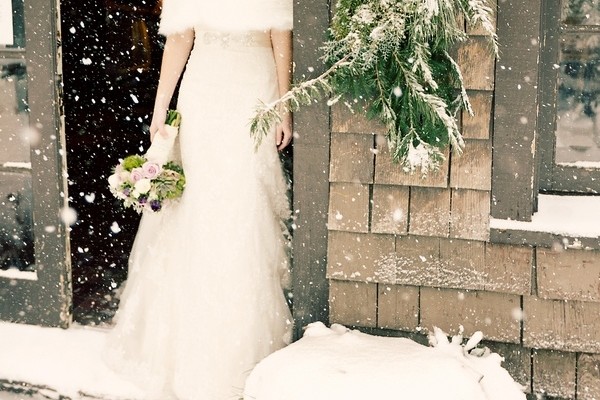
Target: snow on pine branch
(395,56)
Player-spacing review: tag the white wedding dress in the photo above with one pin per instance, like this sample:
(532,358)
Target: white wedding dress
(204,302)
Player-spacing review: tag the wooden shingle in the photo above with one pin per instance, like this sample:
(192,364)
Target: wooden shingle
(417,260)
(479,125)
(398,307)
(508,268)
(353,303)
(472,169)
(391,173)
(437,262)
(477,63)
(491,313)
(390,209)
(345,120)
(470,214)
(360,257)
(554,373)
(462,264)
(588,376)
(568,274)
(351,158)
(429,211)
(348,207)
(561,325)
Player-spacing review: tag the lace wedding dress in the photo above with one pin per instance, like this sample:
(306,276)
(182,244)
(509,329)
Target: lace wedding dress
(203,302)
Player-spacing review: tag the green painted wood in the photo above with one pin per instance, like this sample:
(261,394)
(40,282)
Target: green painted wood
(554,177)
(46,301)
(548,80)
(515,111)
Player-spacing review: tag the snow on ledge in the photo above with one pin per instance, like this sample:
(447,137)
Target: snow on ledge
(15,164)
(581,164)
(577,216)
(13,273)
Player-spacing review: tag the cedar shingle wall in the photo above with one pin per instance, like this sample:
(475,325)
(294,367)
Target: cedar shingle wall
(407,253)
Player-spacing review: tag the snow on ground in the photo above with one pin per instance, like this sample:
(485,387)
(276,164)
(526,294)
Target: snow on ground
(326,364)
(337,363)
(66,360)
(17,396)
(576,216)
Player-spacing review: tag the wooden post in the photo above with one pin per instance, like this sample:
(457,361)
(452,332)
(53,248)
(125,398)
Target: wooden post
(515,112)
(311,172)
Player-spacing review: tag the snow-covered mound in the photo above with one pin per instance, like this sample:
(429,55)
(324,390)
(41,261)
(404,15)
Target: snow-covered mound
(337,363)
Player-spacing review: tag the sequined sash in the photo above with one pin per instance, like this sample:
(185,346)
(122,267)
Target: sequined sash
(233,39)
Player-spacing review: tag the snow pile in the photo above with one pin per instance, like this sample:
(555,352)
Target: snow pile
(337,363)
(65,360)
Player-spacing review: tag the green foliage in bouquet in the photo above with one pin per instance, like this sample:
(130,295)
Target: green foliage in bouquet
(133,161)
(394,56)
(171,183)
(168,185)
(173,118)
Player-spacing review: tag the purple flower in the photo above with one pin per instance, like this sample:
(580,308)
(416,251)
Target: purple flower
(155,205)
(143,199)
(127,191)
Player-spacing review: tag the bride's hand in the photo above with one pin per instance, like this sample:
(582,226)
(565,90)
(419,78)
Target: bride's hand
(158,124)
(284,131)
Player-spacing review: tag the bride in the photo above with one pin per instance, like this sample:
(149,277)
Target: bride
(203,302)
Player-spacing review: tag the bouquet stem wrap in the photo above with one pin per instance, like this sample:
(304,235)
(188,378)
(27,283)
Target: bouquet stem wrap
(166,148)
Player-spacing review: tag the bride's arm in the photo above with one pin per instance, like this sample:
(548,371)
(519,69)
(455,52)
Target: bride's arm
(282,50)
(175,55)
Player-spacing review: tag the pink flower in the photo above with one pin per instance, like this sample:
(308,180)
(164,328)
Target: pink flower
(136,175)
(151,170)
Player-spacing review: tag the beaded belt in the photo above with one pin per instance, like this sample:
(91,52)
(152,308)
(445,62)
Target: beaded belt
(233,39)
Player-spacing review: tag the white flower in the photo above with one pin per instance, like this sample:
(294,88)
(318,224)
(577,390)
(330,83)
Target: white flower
(142,186)
(124,175)
(114,180)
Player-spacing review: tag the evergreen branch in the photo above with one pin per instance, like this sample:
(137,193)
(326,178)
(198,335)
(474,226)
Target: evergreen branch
(394,55)
(477,12)
(269,114)
(463,91)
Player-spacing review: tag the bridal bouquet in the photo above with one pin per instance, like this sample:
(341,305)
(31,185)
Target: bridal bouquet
(149,182)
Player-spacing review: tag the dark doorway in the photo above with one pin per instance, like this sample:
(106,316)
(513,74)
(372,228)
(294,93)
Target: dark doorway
(111,59)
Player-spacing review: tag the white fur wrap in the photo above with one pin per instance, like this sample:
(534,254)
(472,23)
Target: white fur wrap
(225,15)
